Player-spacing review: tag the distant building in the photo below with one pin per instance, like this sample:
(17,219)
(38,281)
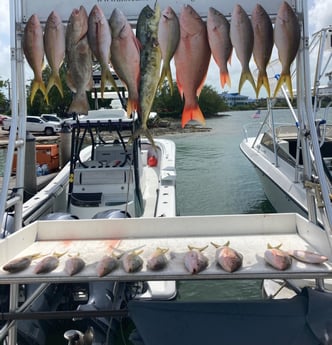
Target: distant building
(234,99)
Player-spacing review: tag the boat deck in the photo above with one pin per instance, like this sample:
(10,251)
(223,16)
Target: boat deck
(248,234)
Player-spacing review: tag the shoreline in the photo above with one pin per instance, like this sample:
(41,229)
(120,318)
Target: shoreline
(166,127)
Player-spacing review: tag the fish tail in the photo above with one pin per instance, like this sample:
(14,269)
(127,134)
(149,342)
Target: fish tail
(79,104)
(55,81)
(109,77)
(285,78)
(38,85)
(246,75)
(225,79)
(192,113)
(262,80)
(143,131)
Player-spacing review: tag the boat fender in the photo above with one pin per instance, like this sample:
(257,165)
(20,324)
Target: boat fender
(152,161)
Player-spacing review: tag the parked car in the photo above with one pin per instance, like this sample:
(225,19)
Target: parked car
(51,118)
(36,124)
(2,118)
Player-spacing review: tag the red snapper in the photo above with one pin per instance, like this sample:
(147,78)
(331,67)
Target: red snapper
(192,58)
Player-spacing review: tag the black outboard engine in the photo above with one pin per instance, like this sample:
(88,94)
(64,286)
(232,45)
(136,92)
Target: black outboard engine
(109,214)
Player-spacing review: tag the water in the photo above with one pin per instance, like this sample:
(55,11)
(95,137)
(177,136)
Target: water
(213,176)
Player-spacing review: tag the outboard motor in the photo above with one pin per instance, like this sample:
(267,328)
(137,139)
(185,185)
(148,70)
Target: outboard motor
(59,216)
(109,214)
(76,337)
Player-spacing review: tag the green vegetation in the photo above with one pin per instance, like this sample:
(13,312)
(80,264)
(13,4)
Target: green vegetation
(167,105)
(4,102)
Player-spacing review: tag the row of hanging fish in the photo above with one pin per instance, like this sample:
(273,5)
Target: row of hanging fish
(194,260)
(160,37)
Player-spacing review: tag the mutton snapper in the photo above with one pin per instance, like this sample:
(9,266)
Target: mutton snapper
(78,60)
(150,61)
(307,256)
(169,37)
(192,58)
(218,29)
(33,48)
(228,258)
(74,265)
(54,45)
(106,265)
(125,57)
(263,45)
(20,264)
(277,258)
(195,261)
(287,40)
(100,38)
(48,264)
(242,37)
(157,260)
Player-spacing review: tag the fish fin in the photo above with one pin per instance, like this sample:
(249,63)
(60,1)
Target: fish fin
(230,58)
(269,246)
(166,73)
(55,81)
(246,75)
(199,89)
(225,79)
(200,249)
(192,113)
(38,85)
(107,76)
(262,80)
(132,106)
(180,89)
(285,78)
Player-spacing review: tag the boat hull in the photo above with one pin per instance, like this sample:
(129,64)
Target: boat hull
(277,179)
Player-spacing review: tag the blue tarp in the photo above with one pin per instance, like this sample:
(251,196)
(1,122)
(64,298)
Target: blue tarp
(303,320)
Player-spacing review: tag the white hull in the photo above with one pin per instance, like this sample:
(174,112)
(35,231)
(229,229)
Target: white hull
(284,194)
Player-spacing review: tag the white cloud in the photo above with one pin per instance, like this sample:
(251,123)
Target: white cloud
(320,14)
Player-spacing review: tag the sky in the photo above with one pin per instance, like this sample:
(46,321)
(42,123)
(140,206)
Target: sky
(320,15)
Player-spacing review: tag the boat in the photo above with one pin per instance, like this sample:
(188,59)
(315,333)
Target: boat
(97,305)
(276,148)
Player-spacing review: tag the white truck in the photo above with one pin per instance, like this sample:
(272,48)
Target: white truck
(36,124)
